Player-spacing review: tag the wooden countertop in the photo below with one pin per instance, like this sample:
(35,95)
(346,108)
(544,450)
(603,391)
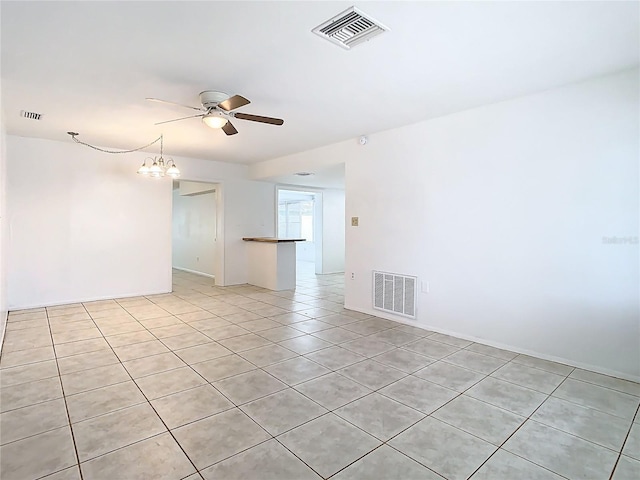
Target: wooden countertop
(272,239)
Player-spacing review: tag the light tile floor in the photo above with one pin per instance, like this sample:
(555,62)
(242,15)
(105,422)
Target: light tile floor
(243,383)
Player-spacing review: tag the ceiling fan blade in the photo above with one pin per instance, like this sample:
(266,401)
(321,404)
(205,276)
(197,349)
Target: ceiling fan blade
(174,103)
(183,118)
(234,102)
(229,129)
(258,118)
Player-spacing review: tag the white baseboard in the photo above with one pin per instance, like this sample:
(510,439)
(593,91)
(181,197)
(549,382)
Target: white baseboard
(195,272)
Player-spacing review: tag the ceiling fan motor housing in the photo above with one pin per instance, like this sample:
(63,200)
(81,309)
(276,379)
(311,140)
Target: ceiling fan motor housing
(211,98)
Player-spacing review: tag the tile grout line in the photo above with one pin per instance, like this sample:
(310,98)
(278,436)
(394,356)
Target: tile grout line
(626,438)
(64,396)
(593,408)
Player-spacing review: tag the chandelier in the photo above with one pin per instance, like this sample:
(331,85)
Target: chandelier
(159,168)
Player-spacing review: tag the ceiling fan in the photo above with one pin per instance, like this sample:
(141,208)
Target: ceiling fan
(217,108)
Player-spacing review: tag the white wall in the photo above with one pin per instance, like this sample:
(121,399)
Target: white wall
(249,212)
(83,225)
(195,188)
(333,230)
(309,161)
(3,230)
(502,210)
(194,231)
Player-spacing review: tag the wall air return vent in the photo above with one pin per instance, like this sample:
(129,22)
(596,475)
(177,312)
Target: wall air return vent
(30,115)
(350,28)
(395,293)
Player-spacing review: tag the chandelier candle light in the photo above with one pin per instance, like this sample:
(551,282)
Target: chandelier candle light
(159,167)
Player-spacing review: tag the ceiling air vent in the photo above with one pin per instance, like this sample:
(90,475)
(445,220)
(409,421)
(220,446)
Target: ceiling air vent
(30,115)
(350,28)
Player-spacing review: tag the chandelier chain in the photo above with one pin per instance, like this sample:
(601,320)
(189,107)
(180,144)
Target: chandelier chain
(159,139)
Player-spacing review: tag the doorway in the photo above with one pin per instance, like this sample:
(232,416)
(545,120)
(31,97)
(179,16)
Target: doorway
(298,218)
(195,246)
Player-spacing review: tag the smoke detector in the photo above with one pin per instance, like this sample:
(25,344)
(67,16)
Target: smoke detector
(350,28)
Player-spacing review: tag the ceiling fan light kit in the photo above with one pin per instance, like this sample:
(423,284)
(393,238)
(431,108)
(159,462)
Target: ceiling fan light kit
(214,120)
(217,110)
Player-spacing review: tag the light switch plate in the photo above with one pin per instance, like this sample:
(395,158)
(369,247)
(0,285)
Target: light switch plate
(354,221)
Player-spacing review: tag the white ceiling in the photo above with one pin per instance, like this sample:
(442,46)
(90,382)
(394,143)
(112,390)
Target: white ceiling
(322,177)
(88,66)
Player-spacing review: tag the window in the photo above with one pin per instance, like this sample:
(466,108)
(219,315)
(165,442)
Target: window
(295,219)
